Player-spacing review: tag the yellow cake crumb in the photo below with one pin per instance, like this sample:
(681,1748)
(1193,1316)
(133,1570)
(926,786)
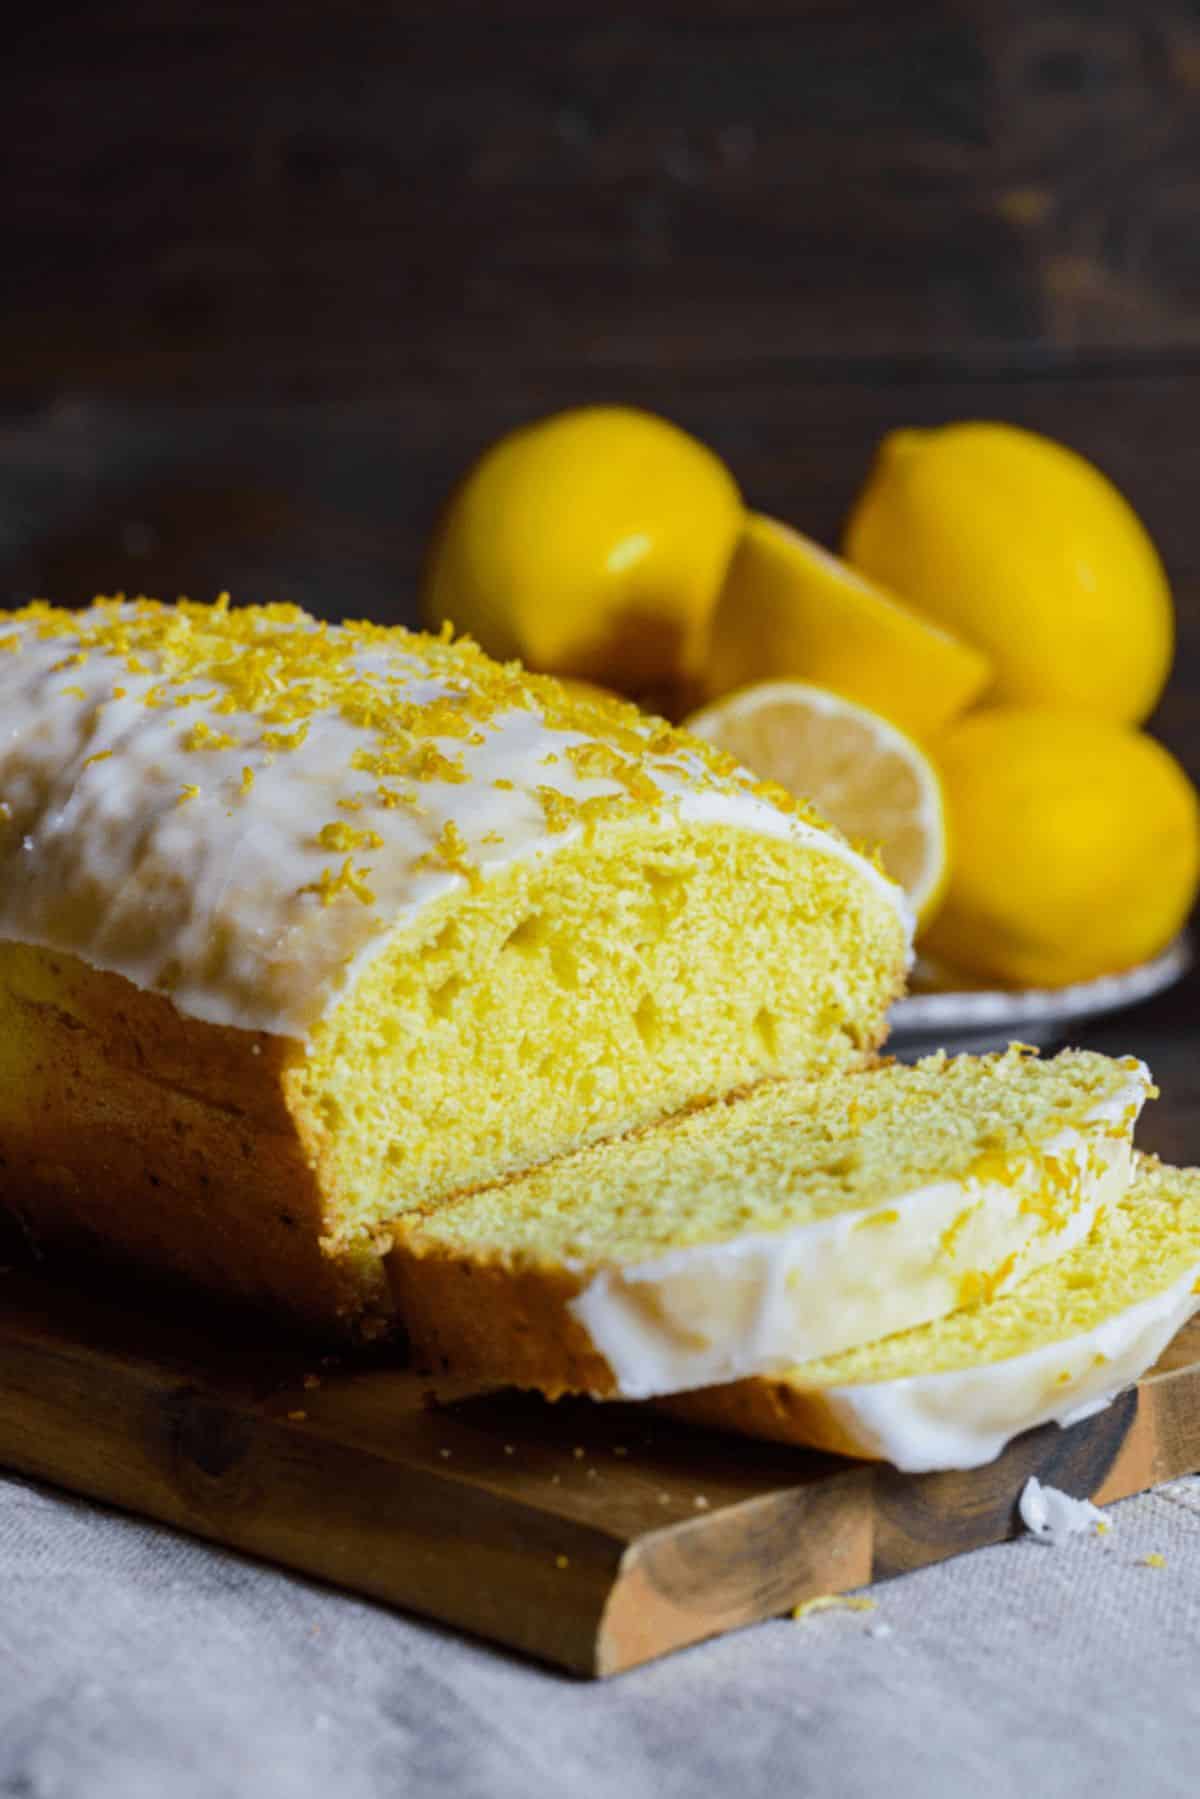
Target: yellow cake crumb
(831,1602)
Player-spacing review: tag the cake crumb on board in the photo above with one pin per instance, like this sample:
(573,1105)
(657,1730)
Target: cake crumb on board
(831,1602)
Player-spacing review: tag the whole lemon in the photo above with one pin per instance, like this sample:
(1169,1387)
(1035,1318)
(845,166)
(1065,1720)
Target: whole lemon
(592,543)
(1023,548)
(1076,846)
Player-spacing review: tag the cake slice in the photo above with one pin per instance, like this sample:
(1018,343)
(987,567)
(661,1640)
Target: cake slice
(304,926)
(1057,1347)
(797,1221)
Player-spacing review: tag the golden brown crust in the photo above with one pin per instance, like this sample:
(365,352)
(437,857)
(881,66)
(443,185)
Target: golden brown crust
(767,1408)
(485,1316)
(131,1133)
(476,1317)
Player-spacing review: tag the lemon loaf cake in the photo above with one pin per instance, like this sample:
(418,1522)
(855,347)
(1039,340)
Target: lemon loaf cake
(821,1214)
(1057,1347)
(304,925)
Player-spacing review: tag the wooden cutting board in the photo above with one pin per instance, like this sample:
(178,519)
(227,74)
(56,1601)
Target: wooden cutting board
(596,1537)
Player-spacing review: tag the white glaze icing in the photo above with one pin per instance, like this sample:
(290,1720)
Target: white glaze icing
(963,1418)
(212,898)
(760,1304)
(1051,1515)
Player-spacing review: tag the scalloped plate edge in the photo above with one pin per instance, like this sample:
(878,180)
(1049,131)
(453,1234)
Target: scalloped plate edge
(997,1008)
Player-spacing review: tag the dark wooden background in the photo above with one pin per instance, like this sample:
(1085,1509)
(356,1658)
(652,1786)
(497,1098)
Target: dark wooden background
(274,273)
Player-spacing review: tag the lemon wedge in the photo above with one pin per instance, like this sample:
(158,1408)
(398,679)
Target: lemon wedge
(788,608)
(862,774)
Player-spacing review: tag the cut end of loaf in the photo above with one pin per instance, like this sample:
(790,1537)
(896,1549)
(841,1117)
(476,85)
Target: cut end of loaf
(827,1214)
(1139,1247)
(475,921)
(1054,1348)
(583,996)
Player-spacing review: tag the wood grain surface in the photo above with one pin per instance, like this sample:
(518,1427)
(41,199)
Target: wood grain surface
(335,199)
(273,275)
(594,1537)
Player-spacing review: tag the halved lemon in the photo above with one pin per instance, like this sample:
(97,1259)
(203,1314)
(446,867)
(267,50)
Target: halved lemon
(859,771)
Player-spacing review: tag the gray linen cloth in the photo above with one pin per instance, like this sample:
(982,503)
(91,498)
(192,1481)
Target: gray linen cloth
(136,1664)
